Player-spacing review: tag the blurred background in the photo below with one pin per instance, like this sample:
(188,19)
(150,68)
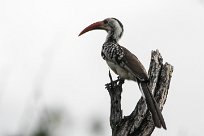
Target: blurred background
(52,81)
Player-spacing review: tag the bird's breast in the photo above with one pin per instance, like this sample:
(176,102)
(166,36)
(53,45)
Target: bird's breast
(113,54)
(112,51)
(117,69)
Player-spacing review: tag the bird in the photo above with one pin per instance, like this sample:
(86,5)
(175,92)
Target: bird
(125,64)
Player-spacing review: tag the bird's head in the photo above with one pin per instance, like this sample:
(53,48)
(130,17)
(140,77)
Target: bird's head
(112,26)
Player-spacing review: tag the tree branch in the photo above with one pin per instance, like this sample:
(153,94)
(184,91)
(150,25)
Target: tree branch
(139,122)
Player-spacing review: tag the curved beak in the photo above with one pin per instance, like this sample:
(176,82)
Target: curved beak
(94,26)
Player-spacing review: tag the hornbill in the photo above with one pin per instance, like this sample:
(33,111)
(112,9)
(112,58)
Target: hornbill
(125,64)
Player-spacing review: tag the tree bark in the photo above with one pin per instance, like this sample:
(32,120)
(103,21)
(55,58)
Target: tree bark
(139,122)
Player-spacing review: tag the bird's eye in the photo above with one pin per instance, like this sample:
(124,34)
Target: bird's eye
(105,21)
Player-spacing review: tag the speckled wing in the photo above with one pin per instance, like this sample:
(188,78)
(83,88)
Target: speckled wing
(133,65)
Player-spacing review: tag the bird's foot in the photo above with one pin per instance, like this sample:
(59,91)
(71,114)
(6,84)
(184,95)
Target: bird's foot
(114,83)
(120,81)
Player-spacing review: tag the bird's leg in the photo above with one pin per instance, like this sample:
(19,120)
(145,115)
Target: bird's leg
(114,83)
(111,84)
(121,81)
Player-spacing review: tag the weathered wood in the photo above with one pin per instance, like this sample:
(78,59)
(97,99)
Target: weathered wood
(115,90)
(139,122)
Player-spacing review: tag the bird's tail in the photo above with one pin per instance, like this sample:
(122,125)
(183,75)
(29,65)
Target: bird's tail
(152,105)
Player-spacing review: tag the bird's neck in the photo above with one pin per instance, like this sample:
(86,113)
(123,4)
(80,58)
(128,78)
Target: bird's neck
(113,36)
(111,39)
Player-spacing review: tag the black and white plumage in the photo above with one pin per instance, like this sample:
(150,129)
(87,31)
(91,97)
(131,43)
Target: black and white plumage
(125,64)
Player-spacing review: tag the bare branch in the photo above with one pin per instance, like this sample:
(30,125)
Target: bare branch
(139,122)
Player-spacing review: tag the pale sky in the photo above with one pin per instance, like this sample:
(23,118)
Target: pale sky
(41,55)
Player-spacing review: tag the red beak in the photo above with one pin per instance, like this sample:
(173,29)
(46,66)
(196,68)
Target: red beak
(94,26)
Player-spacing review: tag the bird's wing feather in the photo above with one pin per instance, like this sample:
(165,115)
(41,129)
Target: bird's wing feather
(152,106)
(133,65)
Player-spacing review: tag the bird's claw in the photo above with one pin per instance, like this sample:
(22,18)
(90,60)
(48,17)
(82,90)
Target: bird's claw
(114,83)
(121,81)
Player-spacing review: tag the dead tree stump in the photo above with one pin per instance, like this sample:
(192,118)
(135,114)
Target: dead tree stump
(139,122)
